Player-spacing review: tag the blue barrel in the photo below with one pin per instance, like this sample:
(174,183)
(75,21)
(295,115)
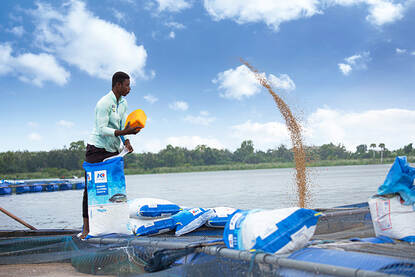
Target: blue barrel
(65,186)
(5,190)
(22,189)
(52,187)
(80,185)
(36,187)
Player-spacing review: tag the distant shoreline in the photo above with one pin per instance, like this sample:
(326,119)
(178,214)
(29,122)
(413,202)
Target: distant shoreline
(203,168)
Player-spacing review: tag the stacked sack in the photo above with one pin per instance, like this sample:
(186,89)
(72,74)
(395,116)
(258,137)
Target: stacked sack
(151,216)
(221,216)
(393,208)
(190,219)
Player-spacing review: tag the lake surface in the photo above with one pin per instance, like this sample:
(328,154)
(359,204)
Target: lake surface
(245,189)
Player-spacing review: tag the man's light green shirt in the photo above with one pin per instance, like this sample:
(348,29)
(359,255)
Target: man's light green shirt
(109,116)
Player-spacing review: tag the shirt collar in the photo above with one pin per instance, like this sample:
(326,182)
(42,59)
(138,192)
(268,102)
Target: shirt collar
(114,99)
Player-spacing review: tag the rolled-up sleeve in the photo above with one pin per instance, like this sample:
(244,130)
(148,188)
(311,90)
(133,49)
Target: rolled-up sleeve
(102,116)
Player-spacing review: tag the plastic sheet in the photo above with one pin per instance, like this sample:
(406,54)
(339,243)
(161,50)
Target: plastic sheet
(400,179)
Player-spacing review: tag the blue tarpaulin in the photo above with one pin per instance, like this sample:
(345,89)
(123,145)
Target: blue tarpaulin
(400,179)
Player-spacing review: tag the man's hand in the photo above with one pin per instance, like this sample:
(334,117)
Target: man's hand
(127,130)
(127,145)
(131,130)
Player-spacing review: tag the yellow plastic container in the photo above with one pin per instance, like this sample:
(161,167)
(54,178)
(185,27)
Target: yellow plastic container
(137,119)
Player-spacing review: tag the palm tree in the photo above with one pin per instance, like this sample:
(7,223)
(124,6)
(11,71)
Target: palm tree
(382,149)
(373,145)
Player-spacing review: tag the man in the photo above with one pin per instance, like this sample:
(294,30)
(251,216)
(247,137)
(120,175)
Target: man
(107,138)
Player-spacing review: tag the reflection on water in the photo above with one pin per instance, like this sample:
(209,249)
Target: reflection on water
(246,189)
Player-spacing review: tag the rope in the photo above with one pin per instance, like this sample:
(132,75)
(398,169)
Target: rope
(133,257)
(252,262)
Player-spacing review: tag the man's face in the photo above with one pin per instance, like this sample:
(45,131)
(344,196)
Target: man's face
(125,87)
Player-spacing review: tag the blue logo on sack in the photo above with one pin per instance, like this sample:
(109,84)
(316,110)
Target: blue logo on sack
(100,176)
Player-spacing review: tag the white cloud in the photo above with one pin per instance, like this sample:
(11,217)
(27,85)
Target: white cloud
(272,12)
(283,82)
(345,68)
(413,53)
(355,62)
(150,98)
(382,12)
(172,35)
(118,15)
(190,142)
(391,126)
(32,68)
(17,30)
(82,39)
(266,135)
(40,68)
(65,123)
(237,83)
(5,59)
(203,119)
(179,106)
(275,12)
(241,83)
(172,5)
(400,51)
(153,145)
(175,25)
(34,137)
(394,127)
(352,60)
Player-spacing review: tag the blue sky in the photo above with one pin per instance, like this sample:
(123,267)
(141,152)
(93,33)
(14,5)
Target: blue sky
(345,67)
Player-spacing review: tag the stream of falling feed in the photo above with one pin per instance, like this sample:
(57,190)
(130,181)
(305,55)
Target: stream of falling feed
(296,139)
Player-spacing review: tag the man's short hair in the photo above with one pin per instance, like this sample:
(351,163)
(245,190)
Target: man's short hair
(119,77)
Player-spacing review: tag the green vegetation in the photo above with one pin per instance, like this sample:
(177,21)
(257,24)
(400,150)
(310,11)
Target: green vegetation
(67,162)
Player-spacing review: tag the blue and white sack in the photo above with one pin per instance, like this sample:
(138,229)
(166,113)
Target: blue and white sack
(222,216)
(152,208)
(145,227)
(107,200)
(274,231)
(189,220)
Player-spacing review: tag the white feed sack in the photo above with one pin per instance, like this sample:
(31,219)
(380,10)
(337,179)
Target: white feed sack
(107,219)
(147,208)
(391,218)
(272,231)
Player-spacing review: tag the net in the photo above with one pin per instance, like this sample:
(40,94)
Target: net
(343,245)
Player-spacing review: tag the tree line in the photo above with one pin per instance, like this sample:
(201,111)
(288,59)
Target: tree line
(72,157)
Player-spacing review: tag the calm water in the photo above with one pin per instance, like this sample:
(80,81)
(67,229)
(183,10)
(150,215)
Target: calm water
(265,188)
